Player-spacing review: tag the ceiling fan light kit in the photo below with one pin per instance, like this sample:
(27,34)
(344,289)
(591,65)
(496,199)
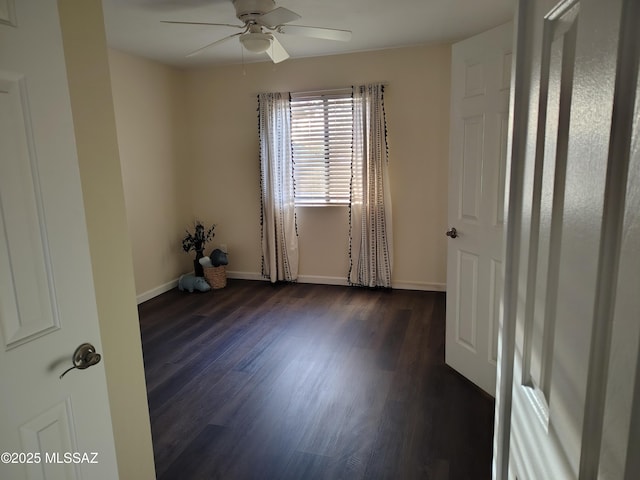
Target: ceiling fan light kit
(256,42)
(257,15)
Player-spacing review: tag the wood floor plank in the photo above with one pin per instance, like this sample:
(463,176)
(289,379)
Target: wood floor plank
(189,464)
(301,381)
(306,465)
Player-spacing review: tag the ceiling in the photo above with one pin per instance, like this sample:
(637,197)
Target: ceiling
(134,26)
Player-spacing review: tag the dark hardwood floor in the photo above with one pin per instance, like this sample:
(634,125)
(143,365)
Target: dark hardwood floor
(304,382)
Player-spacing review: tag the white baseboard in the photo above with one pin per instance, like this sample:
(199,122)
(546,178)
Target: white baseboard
(154,292)
(322,280)
(423,286)
(319,279)
(326,280)
(245,275)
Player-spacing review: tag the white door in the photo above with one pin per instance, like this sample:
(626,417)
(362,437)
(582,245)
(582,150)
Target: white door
(480,80)
(569,397)
(50,428)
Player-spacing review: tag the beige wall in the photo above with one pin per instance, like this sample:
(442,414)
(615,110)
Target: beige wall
(149,101)
(223,146)
(94,124)
(189,149)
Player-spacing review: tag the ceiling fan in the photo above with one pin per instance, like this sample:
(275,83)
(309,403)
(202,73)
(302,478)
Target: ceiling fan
(261,19)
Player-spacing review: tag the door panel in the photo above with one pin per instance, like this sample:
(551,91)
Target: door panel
(466,321)
(471,187)
(47,299)
(570,332)
(479,105)
(7,12)
(51,432)
(497,191)
(27,295)
(558,54)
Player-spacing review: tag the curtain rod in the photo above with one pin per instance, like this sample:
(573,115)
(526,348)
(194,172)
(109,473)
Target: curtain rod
(329,90)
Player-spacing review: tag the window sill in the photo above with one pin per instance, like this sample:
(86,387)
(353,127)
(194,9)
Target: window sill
(317,205)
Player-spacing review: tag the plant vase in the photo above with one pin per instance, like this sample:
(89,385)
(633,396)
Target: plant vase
(196,241)
(197,267)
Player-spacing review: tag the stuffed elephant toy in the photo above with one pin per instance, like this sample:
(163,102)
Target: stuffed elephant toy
(190,282)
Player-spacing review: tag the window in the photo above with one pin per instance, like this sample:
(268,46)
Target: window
(321,143)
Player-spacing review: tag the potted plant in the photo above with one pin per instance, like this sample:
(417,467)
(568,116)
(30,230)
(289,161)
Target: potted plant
(196,241)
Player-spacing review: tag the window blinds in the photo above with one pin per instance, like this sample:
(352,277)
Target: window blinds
(321,138)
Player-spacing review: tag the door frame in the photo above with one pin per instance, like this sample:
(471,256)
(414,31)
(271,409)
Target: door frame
(87,67)
(514,181)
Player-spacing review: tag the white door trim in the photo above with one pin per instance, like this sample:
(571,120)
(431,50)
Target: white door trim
(518,117)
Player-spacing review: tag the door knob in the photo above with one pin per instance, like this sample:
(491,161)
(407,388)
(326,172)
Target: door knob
(84,357)
(453,233)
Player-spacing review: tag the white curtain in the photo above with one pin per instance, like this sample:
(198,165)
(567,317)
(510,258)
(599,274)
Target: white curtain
(370,235)
(279,235)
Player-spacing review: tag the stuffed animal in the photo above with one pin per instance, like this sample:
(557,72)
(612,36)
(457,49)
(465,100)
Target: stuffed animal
(205,262)
(190,282)
(218,257)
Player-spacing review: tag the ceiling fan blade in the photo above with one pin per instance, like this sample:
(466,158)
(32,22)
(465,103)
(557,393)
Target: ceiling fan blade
(203,23)
(277,16)
(217,42)
(276,51)
(316,32)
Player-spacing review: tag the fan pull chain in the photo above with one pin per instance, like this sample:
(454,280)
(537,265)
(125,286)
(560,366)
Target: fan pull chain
(244,69)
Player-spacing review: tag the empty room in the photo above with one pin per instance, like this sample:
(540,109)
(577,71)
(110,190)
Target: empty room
(257,239)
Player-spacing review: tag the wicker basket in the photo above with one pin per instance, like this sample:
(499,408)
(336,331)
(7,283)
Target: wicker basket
(216,276)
